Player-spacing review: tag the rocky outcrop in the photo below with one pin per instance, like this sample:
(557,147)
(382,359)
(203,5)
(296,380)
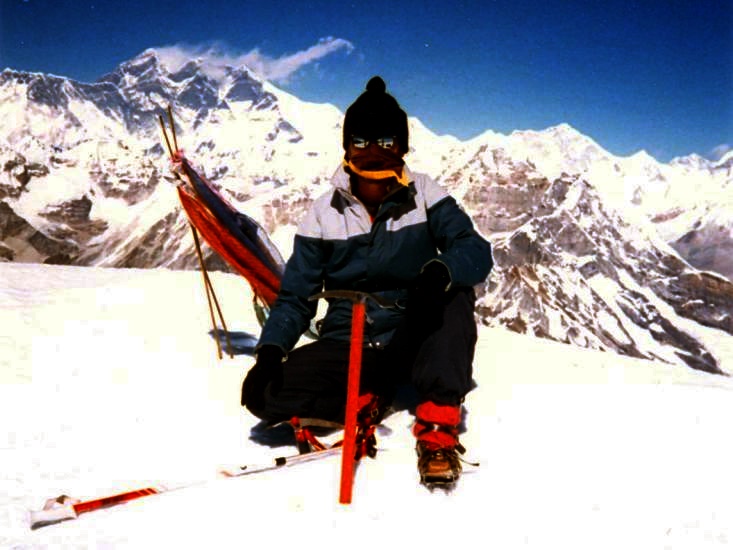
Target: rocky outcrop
(20,172)
(706,298)
(709,248)
(20,241)
(156,245)
(72,221)
(130,187)
(569,269)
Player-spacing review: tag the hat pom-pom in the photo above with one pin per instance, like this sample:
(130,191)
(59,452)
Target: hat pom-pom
(376,85)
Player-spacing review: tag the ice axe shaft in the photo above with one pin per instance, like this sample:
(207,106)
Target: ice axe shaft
(348,457)
(348,461)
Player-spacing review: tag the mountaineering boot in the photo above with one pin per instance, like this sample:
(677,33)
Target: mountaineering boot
(436,430)
(438,465)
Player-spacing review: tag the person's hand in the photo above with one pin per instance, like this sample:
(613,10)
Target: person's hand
(427,297)
(268,369)
(433,280)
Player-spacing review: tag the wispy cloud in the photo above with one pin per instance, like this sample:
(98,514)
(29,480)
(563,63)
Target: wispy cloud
(216,57)
(718,152)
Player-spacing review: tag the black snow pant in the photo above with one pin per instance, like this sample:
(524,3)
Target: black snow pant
(438,364)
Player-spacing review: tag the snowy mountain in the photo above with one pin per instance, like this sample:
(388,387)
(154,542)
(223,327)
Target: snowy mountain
(114,160)
(85,181)
(700,230)
(572,269)
(110,383)
(690,200)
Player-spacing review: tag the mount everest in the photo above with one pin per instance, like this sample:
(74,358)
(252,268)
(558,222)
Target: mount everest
(599,251)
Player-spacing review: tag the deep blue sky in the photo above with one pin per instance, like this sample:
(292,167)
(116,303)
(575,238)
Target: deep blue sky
(653,74)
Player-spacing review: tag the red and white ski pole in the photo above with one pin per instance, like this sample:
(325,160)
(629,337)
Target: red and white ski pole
(65,508)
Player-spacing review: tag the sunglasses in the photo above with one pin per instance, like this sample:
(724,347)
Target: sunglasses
(386,142)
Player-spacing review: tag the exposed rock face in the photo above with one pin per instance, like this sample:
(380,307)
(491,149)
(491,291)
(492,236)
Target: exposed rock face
(701,229)
(73,223)
(569,269)
(20,241)
(708,248)
(153,246)
(248,89)
(20,172)
(705,297)
(167,243)
(132,188)
(10,223)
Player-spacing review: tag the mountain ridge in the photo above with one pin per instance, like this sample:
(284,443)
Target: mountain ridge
(576,229)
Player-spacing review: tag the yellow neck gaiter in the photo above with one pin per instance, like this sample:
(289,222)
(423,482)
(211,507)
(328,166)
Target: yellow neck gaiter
(398,173)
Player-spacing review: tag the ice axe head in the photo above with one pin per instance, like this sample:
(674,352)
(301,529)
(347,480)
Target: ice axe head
(356,296)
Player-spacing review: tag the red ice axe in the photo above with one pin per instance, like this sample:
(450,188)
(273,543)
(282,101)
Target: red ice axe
(348,456)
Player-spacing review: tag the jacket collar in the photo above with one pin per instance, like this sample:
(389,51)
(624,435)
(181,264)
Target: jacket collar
(401,198)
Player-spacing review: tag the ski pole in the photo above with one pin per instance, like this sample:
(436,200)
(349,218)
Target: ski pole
(65,507)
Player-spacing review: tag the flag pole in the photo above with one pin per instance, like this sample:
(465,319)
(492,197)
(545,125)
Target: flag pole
(208,286)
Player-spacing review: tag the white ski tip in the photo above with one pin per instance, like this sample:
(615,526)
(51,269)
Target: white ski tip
(41,518)
(231,471)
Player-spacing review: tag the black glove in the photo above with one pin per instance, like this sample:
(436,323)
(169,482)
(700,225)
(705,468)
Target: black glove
(428,297)
(268,369)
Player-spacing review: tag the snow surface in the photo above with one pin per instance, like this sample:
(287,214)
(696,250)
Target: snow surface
(109,382)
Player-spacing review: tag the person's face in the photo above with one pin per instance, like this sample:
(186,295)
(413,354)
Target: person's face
(374,153)
(373,158)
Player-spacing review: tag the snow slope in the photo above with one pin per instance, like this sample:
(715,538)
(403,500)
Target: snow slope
(109,381)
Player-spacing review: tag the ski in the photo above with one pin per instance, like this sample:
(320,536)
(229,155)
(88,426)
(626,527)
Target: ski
(280,462)
(64,507)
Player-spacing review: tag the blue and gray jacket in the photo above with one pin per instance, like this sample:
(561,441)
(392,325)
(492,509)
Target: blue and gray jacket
(339,247)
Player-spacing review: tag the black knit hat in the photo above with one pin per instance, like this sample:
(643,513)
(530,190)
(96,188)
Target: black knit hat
(376,114)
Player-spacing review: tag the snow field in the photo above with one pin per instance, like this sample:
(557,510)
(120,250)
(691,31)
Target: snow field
(109,381)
